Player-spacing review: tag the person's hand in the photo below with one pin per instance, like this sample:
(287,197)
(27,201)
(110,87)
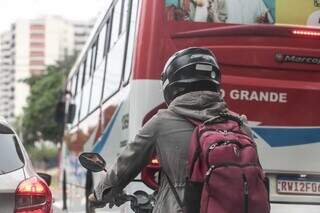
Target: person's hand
(92,198)
(94,202)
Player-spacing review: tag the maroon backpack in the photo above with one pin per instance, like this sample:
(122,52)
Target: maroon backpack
(225,175)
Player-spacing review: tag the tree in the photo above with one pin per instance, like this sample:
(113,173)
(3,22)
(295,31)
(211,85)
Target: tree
(38,119)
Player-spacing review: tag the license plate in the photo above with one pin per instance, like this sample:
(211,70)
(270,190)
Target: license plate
(297,185)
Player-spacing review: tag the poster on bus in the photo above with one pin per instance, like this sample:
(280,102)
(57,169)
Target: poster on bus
(297,12)
(292,12)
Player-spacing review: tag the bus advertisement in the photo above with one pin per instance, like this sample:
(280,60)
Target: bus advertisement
(269,53)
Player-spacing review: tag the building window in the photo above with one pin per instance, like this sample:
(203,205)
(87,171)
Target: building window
(37,27)
(37,35)
(38,62)
(36,72)
(36,53)
(36,44)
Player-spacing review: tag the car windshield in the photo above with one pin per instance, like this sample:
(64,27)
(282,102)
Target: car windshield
(11,157)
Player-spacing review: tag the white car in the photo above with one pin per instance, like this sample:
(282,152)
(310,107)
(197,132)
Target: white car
(21,188)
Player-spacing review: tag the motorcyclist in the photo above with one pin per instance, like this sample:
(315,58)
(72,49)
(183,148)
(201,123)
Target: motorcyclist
(191,88)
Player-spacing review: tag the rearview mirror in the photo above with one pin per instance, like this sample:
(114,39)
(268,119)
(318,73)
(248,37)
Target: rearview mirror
(92,161)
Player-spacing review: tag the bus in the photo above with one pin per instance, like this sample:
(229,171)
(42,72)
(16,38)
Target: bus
(269,53)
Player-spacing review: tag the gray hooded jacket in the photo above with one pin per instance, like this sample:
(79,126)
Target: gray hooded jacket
(169,134)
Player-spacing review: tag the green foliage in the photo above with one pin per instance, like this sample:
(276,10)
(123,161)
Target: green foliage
(42,154)
(38,119)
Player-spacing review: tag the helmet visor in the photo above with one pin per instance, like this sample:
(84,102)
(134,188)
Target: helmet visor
(197,71)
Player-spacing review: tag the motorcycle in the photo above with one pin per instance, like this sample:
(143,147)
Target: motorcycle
(140,201)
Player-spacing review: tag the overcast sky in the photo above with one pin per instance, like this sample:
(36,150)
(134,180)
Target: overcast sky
(11,10)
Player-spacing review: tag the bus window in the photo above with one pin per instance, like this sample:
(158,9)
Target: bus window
(98,75)
(124,15)
(101,45)
(79,91)
(116,22)
(74,85)
(88,64)
(114,68)
(80,78)
(77,103)
(97,86)
(130,46)
(69,84)
(87,87)
(94,58)
(76,94)
(108,35)
(85,99)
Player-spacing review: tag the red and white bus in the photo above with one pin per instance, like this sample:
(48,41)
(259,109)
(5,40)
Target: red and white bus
(269,52)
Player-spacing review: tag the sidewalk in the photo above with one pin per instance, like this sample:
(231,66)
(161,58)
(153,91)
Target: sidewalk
(57,210)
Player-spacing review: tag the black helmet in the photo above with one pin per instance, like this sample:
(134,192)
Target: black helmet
(188,70)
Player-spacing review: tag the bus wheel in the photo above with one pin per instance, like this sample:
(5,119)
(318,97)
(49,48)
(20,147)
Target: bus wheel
(89,190)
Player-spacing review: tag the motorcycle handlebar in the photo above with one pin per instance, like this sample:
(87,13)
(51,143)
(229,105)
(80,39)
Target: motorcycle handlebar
(123,198)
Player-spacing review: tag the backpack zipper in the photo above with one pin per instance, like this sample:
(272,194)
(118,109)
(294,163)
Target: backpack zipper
(219,143)
(245,193)
(208,173)
(212,147)
(214,167)
(224,131)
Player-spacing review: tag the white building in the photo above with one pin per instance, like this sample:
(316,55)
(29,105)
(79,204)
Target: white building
(6,77)
(28,48)
(81,32)
(21,59)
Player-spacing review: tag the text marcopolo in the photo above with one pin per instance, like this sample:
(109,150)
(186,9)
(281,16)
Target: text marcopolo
(261,96)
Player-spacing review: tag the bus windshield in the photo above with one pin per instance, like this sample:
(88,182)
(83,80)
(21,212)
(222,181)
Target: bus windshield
(288,12)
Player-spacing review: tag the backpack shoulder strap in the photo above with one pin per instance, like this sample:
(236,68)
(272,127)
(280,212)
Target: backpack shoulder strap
(174,191)
(233,117)
(222,117)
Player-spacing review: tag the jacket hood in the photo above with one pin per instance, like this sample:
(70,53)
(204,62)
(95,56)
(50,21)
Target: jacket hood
(200,105)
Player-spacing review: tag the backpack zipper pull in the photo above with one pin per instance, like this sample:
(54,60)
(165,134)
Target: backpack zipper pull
(212,146)
(210,170)
(225,132)
(236,151)
(246,190)
(208,173)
